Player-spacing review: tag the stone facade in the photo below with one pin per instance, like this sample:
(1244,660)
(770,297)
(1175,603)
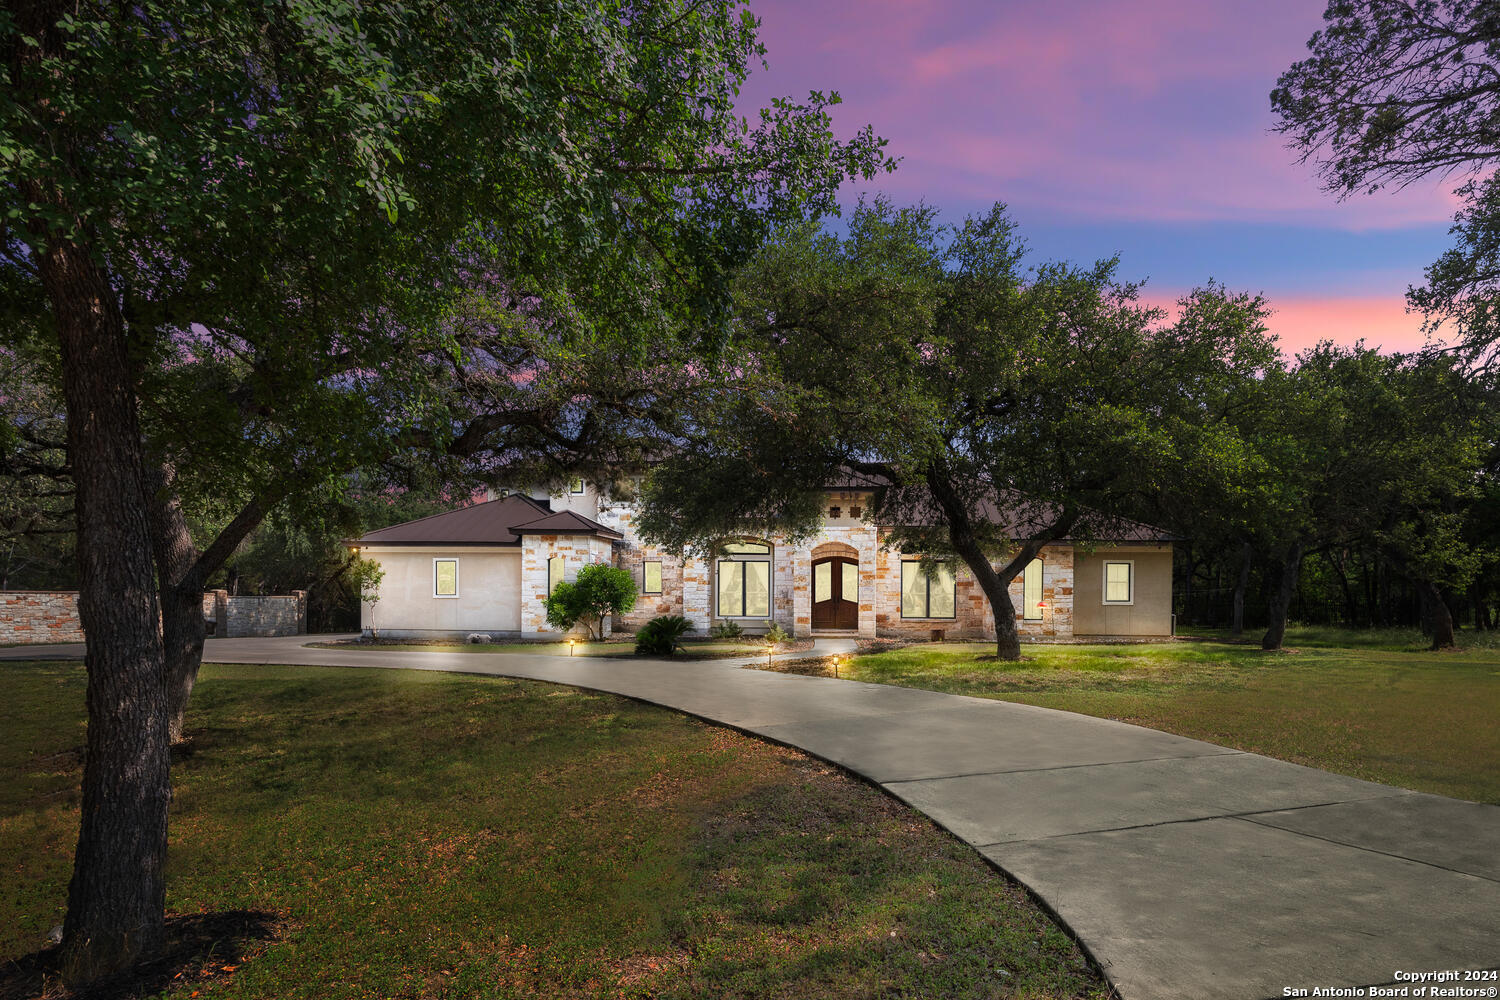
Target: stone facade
(689,585)
(576,551)
(32,617)
(29,617)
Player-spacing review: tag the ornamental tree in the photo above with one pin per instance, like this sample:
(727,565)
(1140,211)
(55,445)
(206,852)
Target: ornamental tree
(599,592)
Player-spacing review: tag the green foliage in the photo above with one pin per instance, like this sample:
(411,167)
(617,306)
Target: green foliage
(600,591)
(726,630)
(661,636)
(365,575)
(776,635)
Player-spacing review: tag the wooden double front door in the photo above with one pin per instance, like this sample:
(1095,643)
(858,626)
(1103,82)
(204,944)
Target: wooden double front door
(835,593)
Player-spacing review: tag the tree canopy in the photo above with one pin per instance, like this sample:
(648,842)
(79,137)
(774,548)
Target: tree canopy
(933,361)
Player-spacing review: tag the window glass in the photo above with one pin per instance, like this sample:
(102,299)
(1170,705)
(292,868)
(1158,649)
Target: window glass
(1032,591)
(757,589)
(850,583)
(445,578)
(1117,583)
(651,577)
(744,548)
(731,589)
(554,573)
(941,593)
(913,591)
(575,487)
(822,582)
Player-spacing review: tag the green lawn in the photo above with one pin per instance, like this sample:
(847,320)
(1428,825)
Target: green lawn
(435,835)
(1375,706)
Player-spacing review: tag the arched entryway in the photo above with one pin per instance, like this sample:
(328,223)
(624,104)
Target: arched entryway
(835,587)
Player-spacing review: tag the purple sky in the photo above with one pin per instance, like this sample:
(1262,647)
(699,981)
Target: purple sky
(1139,128)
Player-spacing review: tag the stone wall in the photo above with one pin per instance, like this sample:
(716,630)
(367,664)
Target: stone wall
(34,617)
(29,617)
(973,618)
(240,616)
(577,551)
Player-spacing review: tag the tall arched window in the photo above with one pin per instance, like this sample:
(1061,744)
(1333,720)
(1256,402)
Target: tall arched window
(744,580)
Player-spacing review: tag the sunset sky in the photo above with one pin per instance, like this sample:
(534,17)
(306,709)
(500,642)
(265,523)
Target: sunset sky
(1140,128)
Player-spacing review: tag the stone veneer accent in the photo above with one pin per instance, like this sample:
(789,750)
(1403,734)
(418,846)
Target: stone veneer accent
(33,617)
(973,619)
(29,617)
(577,551)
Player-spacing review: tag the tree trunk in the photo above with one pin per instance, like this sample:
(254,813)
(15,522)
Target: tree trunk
(1435,611)
(994,583)
(1351,610)
(116,899)
(1240,586)
(1281,598)
(181,587)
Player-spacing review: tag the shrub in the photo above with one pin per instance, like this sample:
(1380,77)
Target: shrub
(776,635)
(659,636)
(599,591)
(725,630)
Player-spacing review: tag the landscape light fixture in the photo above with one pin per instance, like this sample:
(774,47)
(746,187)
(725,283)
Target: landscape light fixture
(770,648)
(571,643)
(836,666)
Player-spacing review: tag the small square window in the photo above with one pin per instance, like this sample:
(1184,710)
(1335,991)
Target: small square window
(651,576)
(1118,583)
(575,487)
(445,578)
(835,512)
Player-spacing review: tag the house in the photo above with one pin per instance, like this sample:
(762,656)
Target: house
(489,568)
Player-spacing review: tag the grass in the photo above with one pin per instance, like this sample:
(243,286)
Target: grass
(436,835)
(1374,706)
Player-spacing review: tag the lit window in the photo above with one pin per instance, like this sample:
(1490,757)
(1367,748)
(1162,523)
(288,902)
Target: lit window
(745,584)
(927,595)
(651,577)
(554,573)
(1031,592)
(445,578)
(575,487)
(1117,582)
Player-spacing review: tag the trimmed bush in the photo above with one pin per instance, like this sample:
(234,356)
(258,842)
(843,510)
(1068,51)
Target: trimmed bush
(725,630)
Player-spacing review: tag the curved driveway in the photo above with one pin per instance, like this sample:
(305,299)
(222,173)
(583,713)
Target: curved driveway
(1188,870)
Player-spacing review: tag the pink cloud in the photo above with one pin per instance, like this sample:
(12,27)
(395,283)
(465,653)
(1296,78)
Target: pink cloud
(1156,110)
(1300,321)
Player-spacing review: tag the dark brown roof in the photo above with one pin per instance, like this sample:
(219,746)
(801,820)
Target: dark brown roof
(489,523)
(565,522)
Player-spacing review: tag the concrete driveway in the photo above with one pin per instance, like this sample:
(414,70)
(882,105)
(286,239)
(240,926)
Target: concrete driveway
(1187,870)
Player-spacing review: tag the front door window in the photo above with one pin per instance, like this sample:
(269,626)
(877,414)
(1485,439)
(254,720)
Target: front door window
(835,585)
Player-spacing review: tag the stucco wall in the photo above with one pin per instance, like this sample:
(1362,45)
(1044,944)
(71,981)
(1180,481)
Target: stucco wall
(1151,611)
(489,590)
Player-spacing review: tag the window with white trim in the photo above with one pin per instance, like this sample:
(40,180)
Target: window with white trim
(575,487)
(744,578)
(445,578)
(928,595)
(1031,592)
(651,576)
(554,573)
(1119,582)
